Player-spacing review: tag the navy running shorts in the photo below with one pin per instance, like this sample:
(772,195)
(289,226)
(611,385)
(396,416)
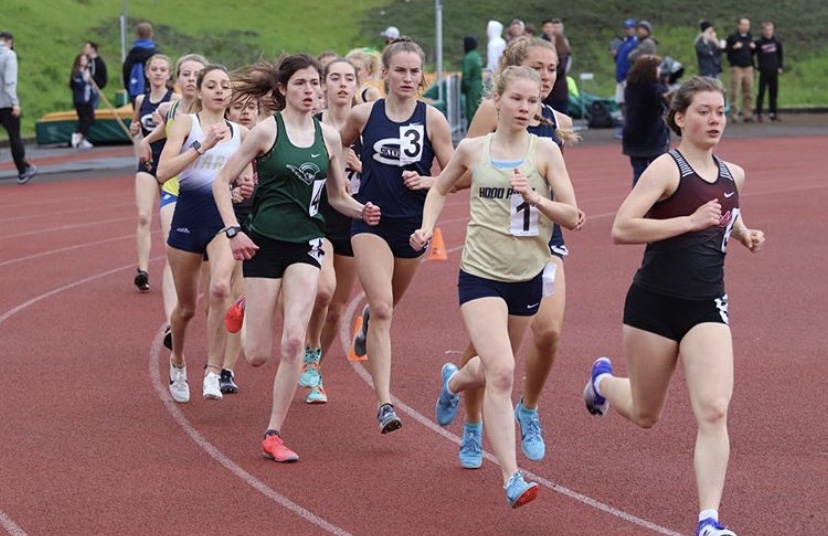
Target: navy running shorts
(396,233)
(523,298)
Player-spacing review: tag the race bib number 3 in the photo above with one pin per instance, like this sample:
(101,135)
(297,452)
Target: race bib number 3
(524,217)
(411,143)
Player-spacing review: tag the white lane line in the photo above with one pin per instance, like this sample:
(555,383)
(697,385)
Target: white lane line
(179,417)
(345,339)
(67,248)
(10,526)
(66,227)
(162,390)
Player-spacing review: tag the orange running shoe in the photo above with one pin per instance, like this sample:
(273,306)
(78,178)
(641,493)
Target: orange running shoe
(274,448)
(235,316)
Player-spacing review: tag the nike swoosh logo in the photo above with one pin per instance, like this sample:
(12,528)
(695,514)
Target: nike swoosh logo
(729,194)
(533,305)
(315,155)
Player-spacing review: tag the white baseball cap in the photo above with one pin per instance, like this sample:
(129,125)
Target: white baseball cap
(392,32)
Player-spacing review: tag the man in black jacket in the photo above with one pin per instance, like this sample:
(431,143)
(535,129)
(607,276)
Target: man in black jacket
(739,49)
(97,68)
(769,59)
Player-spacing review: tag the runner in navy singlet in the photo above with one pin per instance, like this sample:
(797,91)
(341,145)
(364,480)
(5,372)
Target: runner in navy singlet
(685,208)
(401,137)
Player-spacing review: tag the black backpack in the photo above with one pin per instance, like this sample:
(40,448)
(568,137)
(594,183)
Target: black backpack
(599,115)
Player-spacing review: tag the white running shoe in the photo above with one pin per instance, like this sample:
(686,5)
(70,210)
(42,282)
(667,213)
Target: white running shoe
(76,138)
(212,389)
(84,144)
(179,388)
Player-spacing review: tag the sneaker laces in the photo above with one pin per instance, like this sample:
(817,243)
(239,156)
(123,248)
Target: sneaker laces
(471,441)
(533,427)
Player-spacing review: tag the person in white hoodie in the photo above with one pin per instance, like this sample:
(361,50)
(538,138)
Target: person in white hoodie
(497,44)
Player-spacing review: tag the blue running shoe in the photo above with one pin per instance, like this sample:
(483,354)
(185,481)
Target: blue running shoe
(361,338)
(471,446)
(711,527)
(447,404)
(520,492)
(596,404)
(388,420)
(531,438)
(310,370)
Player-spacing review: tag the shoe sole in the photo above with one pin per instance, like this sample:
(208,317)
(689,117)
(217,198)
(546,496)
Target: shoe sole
(317,401)
(360,341)
(471,465)
(391,426)
(289,459)
(229,390)
(168,340)
(527,496)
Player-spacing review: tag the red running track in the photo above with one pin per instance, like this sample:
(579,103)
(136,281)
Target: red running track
(92,444)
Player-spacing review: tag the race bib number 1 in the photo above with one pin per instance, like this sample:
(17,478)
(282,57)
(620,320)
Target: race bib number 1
(524,218)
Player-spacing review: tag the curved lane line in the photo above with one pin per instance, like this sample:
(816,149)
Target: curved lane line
(10,526)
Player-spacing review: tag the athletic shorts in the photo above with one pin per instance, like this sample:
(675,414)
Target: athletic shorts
(522,298)
(274,256)
(341,246)
(671,317)
(150,167)
(557,246)
(166,199)
(396,233)
(195,223)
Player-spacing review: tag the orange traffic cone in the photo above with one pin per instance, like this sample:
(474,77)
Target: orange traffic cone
(437,250)
(351,354)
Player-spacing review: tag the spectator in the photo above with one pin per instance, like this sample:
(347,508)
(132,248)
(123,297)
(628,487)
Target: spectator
(740,48)
(530,30)
(620,51)
(83,92)
(97,68)
(558,98)
(133,72)
(769,58)
(548,31)
(646,42)
(10,108)
(390,33)
(472,82)
(517,28)
(708,51)
(645,133)
(495,47)
(670,71)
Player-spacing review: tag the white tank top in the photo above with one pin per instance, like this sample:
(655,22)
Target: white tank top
(506,239)
(199,175)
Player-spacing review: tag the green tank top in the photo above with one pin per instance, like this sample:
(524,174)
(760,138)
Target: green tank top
(291,180)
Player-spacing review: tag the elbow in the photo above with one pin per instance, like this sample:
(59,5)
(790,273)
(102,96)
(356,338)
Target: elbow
(620,235)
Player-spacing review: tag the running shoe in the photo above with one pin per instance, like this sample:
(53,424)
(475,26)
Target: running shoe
(317,394)
(274,448)
(142,280)
(227,382)
(27,174)
(84,144)
(531,433)
(235,316)
(596,404)
(168,337)
(179,388)
(711,527)
(310,370)
(388,420)
(520,492)
(211,389)
(447,404)
(471,446)
(361,338)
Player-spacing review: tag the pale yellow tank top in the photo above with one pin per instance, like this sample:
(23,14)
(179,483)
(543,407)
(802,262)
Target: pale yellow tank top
(506,239)
(171,186)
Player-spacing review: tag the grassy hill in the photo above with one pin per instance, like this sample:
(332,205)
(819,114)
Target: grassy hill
(236,33)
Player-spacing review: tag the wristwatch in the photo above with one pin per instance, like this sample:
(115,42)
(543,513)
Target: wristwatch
(232,231)
(197,146)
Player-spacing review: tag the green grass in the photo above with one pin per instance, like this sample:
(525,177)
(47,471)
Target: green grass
(236,33)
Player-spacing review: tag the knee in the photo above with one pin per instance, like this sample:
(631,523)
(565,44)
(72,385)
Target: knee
(291,348)
(645,419)
(547,336)
(713,412)
(144,219)
(500,378)
(220,290)
(381,312)
(255,358)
